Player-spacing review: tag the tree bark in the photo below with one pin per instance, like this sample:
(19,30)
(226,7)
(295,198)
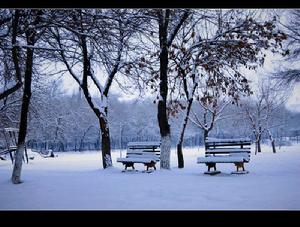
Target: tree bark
(272,141)
(105,145)
(15,58)
(258,145)
(165,152)
(273,146)
(105,136)
(16,175)
(163,90)
(179,144)
(205,135)
(180,155)
(11,90)
(101,115)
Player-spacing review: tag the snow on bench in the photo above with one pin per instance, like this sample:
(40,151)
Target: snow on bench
(226,151)
(141,152)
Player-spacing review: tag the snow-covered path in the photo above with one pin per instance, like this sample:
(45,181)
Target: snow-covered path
(75,181)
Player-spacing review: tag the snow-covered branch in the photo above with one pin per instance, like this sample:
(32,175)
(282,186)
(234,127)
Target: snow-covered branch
(33,47)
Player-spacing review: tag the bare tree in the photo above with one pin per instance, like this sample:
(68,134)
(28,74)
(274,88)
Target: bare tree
(169,23)
(260,111)
(151,68)
(31,18)
(11,81)
(90,39)
(212,109)
(211,52)
(290,75)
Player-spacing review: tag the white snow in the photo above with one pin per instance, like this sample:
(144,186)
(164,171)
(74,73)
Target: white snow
(76,181)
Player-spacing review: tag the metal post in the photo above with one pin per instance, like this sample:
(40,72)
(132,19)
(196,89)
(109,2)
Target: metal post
(120,140)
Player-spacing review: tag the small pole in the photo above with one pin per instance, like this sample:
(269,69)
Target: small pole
(120,140)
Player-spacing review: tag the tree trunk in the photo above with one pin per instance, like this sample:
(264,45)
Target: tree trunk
(165,152)
(163,90)
(105,145)
(101,114)
(257,146)
(16,175)
(273,146)
(164,127)
(180,155)
(180,141)
(205,135)
(272,141)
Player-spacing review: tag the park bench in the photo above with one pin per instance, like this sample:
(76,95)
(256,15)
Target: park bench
(11,141)
(147,153)
(235,151)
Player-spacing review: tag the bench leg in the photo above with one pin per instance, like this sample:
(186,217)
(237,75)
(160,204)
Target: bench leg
(26,155)
(211,165)
(129,165)
(149,165)
(11,157)
(239,165)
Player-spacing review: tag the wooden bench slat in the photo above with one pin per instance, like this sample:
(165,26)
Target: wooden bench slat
(3,152)
(144,144)
(240,155)
(226,154)
(11,129)
(212,139)
(141,151)
(219,159)
(142,156)
(231,150)
(208,145)
(136,160)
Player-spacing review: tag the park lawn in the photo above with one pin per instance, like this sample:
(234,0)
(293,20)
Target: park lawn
(77,181)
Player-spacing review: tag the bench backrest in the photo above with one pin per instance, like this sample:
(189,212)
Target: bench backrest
(215,142)
(147,149)
(234,147)
(11,137)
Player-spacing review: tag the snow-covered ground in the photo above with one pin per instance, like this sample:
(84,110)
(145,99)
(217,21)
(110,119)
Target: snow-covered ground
(76,181)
